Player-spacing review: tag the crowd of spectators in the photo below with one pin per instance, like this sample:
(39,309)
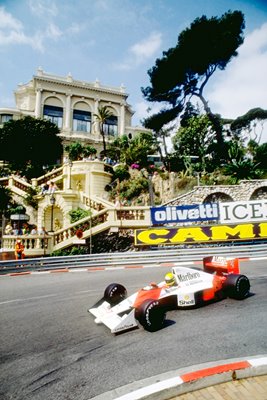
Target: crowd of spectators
(26,229)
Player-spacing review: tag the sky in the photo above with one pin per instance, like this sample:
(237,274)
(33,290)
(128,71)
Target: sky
(118,41)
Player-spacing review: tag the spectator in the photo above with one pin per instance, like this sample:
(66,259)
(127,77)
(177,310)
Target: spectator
(25,229)
(8,229)
(34,231)
(15,230)
(19,250)
(52,188)
(117,202)
(44,188)
(42,231)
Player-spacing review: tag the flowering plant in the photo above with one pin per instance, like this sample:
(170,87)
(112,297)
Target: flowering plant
(135,166)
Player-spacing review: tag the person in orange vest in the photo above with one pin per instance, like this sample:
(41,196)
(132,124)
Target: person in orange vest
(19,250)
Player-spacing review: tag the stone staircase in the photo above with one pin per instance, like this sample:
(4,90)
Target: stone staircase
(105,216)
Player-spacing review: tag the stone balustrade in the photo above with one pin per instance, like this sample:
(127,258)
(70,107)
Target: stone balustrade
(34,245)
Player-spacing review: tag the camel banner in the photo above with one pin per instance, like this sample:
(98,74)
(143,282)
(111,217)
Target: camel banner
(200,234)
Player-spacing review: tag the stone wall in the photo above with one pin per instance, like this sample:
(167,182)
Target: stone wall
(246,190)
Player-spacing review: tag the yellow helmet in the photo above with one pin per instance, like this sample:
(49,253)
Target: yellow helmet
(169,279)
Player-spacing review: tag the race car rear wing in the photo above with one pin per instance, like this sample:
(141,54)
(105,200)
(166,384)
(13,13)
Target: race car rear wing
(221,265)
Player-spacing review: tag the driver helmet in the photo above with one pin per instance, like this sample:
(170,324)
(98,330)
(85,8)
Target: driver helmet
(170,279)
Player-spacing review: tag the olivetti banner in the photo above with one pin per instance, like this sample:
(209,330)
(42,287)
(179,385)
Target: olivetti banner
(200,234)
(187,213)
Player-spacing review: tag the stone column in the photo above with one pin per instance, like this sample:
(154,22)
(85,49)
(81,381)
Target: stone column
(68,112)
(94,121)
(38,103)
(122,120)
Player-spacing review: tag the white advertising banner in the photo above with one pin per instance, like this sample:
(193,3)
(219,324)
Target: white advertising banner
(243,211)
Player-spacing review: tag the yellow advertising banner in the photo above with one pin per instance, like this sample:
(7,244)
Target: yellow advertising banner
(200,234)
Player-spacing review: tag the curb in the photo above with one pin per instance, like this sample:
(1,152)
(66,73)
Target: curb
(175,383)
(94,269)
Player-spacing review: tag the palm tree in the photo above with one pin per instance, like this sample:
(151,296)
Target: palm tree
(101,117)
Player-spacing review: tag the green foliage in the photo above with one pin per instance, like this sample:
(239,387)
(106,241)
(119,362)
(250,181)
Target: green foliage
(117,150)
(121,173)
(248,121)
(89,150)
(73,251)
(30,199)
(134,187)
(17,209)
(5,199)
(194,140)
(29,143)
(133,151)
(185,182)
(261,157)
(242,169)
(77,151)
(78,214)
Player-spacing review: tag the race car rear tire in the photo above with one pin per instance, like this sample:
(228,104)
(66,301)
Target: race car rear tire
(115,293)
(237,286)
(151,315)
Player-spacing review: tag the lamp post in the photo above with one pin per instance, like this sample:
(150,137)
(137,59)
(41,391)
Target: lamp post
(151,193)
(70,166)
(90,220)
(52,202)
(190,164)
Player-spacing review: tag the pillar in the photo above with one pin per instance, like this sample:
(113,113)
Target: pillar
(38,103)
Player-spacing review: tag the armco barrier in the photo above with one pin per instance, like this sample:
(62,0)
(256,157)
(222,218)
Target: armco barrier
(131,258)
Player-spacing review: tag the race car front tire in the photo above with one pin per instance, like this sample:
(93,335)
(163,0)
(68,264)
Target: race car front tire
(151,315)
(115,293)
(237,286)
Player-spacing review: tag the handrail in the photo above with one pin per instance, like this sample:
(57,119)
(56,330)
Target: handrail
(130,258)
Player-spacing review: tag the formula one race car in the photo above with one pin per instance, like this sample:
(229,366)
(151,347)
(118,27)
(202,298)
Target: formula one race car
(193,287)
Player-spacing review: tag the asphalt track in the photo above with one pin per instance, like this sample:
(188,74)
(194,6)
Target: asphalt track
(51,349)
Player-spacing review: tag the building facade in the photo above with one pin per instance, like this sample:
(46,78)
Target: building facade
(72,105)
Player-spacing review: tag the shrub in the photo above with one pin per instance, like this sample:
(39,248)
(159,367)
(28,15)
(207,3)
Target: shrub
(121,172)
(77,214)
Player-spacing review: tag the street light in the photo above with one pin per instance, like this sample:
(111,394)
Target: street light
(150,187)
(70,165)
(52,202)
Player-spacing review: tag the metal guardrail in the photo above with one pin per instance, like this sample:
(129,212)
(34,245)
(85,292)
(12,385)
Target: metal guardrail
(160,256)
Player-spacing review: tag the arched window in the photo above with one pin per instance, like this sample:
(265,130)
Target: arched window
(110,127)
(81,121)
(54,114)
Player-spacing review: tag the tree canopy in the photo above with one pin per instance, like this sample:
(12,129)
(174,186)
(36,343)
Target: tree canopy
(77,151)
(28,144)
(194,140)
(249,122)
(184,70)
(133,151)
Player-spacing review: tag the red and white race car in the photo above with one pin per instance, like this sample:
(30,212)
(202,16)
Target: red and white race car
(220,278)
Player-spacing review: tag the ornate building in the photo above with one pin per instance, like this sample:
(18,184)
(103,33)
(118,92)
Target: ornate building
(72,105)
